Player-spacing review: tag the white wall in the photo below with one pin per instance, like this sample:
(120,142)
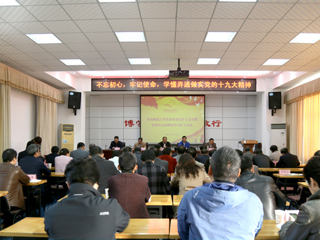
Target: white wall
(23,118)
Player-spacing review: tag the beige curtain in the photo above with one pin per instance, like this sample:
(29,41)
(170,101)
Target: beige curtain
(5,129)
(47,124)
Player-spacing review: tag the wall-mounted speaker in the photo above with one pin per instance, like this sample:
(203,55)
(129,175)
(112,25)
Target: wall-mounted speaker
(274,100)
(74,100)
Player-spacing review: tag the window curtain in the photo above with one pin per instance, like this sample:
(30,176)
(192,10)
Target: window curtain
(5,129)
(47,124)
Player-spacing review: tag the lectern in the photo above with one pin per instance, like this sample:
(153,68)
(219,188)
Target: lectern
(248,143)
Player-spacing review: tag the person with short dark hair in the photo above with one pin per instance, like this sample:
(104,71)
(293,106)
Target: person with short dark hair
(80,152)
(115,157)
(261,160)
(184,142)
(193,152)
(307,224)
(317,153)
(181,150)
(140,143)
(188,175)
(130,189)
(137,153)
(210,145)
(166,156)
(51,157)
(106,168)
(127,149)
(158,180)
(84,214)
(31,164)
(62,160)
(248,153)
(203,158)
(164,143)
(11,179)
(287,160)
(263,186)
(275,154)
(158,161)
(207,164)
(221,209)
(23,154)
(116,144)
(175,151)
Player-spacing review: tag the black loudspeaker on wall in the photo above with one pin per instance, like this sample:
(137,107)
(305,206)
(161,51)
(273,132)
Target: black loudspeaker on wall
(74,101)
(274,101)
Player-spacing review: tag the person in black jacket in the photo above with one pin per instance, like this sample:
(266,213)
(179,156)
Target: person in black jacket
(51,157)
(287,160)
(84,214)
(261,160)
(106,168)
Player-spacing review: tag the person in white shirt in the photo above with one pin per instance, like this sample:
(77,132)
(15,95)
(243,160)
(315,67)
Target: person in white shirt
(62,160)
(115,157)
(275,155)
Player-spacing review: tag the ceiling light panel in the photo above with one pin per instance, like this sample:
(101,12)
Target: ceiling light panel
(273,62)
(220,36)
(47,38)
(72,62)
(208,60)
(140,61)
(131,36)
(306,38)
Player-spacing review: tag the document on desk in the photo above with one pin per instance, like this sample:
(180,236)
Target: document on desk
(35,180)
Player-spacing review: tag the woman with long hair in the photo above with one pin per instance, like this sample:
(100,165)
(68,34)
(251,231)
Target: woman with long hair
(188,174)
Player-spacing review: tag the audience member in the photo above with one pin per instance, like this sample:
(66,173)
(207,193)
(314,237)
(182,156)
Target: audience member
(248,153)
(130,189)
(261,160)
(91,145)
(31,164)
(37,140)
(23,154)
(203,158)
(221,209)
(158,161)
(307,224)
(264,187)
(184,142)
(11,179)
(126,149)
(50,157)
(140,143)
(116,144)
(255,167)
(159,147)
(84,214)
(287,160)
(164,143)
(199,154)
(158,180)
(62,160)
(137,153)
(166,156)
(181,150)
(207,165)
(188,175)
(115,157)
(175,151)
(211,144)
(80,152)
(275,155)
(193,152)
(106,168)
(317,153)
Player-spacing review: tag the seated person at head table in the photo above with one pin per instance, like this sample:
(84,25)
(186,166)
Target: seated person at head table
(158,161)
(221,209)
(158,179)
(11,179)
(31,164)
(51,157)
(275,155)
(188,175)
(307,224)
(130,189)
(62,160)
(263,186)
(166,156)
(287,160)
(80,152)
(184,142)
(106,168)
(261,160)
(115,143)
(210,144)
(203,158)
(164,143)
(140,143)
(85,213)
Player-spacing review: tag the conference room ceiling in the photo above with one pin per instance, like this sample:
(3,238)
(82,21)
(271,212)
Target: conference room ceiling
(173,29)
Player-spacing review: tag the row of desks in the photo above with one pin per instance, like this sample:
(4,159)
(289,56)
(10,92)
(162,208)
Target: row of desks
(150,228)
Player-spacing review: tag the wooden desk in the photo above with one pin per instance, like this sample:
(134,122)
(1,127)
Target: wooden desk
(303,184)
(31,187)
(57,176)
(277,169)
(3,193)
(268,231)
(52,169)
(177,200)
(286,177)
(137,228)
(302,165)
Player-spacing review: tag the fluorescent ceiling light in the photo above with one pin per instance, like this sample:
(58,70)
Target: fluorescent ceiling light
(135,61)
(276,61)
(131,36)
(237,0)
(45,38)
(306,38)
(208,60)
(117,0)
(72,62)
(9,3)
(220,36)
